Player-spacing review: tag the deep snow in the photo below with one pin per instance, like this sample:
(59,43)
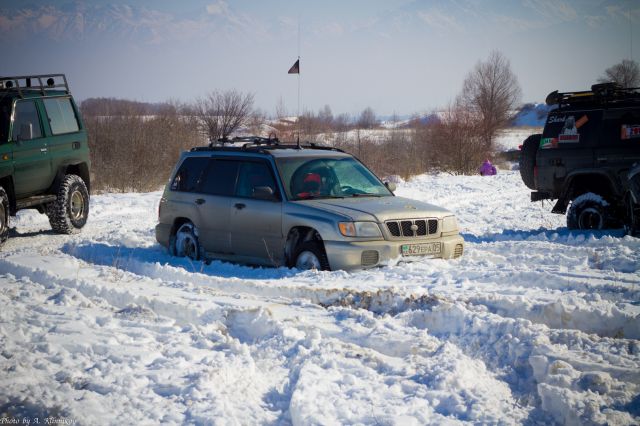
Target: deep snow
(534,324)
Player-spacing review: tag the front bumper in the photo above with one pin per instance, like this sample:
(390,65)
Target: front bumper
(349,255)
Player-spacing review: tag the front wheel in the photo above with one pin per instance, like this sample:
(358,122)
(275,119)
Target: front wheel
(70,211)
(185,242)
(310,255)
(588,211)
(4,216)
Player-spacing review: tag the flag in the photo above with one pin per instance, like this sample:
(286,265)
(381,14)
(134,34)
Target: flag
(295,68)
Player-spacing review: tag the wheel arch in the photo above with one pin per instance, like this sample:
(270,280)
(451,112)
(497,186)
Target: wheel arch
(298,235)
(579,183)
(7,183)
(79,169)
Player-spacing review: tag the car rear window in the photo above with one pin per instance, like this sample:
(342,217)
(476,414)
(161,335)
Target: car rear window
(61,115)
(572,129)
(189,174)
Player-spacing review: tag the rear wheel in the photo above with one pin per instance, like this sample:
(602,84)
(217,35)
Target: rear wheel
(589,211)
(69,213)
(4,216)
(185,242)
(528,160)
(310,255)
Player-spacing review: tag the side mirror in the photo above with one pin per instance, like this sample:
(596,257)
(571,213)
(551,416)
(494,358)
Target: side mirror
(390,186)
(26,132)
(263,193)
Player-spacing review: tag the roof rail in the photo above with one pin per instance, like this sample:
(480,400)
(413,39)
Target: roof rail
(599,93)
(38,82)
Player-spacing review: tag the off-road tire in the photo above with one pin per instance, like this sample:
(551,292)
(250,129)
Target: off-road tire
(69,213)
(316,249)
(4,216)
(528,160)
(184,242)
(589,211)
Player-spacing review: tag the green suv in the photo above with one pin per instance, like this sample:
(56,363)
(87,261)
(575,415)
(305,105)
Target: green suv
(309,207)
(44,155)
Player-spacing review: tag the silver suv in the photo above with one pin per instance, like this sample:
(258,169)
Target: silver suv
(309,207)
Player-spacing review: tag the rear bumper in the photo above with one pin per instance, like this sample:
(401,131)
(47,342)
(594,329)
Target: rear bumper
(357,255)
(163,234)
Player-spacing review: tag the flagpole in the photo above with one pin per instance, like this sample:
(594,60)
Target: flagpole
(298,121)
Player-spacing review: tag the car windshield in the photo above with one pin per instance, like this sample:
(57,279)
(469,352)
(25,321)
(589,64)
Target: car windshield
(5,118)
(340,177)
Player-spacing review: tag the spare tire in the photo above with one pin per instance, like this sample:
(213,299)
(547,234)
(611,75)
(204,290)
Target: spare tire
(528,160)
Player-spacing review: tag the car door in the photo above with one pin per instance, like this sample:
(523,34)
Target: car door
(31,159)
(256,216)
(213,201)
(567,144)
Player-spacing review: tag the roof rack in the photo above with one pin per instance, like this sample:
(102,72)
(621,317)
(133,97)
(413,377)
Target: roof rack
(258,144)
(249,141)
(599,93)
(35,82)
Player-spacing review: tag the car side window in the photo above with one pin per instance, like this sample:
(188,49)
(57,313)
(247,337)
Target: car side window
(220,177)
(252,175)
(26,121)
(189,174)
(62,117)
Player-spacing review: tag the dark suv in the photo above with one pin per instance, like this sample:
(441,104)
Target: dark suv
(583,156)
(44,155)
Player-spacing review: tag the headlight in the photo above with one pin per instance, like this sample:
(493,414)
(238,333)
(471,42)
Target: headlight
(359,229)
(449,224)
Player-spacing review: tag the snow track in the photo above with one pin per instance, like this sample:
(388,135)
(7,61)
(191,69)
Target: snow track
(530,325)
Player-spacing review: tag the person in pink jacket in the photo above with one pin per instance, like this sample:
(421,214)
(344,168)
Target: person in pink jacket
(487,169)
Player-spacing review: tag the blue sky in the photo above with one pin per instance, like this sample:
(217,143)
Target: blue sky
(395,56)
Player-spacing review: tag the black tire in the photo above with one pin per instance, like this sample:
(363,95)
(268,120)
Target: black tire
(69,213)
(589,211)
(632,218)
(4,216)
(310,255)
(184,243)
(528,160)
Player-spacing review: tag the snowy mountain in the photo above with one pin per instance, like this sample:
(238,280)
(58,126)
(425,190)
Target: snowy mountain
(533,324)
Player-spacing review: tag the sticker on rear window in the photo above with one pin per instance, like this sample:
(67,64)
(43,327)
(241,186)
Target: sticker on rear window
(630,131)
(569,132)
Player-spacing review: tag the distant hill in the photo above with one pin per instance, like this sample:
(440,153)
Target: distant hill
(531,115)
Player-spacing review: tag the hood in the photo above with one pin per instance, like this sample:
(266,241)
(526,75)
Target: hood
(378,208)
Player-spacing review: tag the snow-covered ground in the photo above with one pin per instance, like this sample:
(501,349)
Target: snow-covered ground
(534,324)
(511,138)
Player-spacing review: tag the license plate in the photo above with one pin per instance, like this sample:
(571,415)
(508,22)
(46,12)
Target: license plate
(420,249)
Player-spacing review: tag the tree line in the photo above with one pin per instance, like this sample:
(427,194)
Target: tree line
(134,145)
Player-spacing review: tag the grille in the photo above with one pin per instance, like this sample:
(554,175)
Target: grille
(412,227)
(369,257)
(457,252)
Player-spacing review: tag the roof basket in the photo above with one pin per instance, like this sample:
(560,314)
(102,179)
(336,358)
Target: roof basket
(248,141)
(43,83)
(599,93)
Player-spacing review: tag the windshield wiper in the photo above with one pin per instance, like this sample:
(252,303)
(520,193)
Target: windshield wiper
(365,194)
(319,197)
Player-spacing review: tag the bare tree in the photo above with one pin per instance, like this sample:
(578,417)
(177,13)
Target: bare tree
(626,74)
(281,109)
(490,92)
(367,119)
(222,113)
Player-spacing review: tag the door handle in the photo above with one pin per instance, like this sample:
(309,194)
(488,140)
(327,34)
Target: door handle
(200,201)
(43,150)
(239,206)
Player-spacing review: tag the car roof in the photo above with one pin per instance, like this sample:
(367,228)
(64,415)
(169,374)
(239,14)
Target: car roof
(276,151)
